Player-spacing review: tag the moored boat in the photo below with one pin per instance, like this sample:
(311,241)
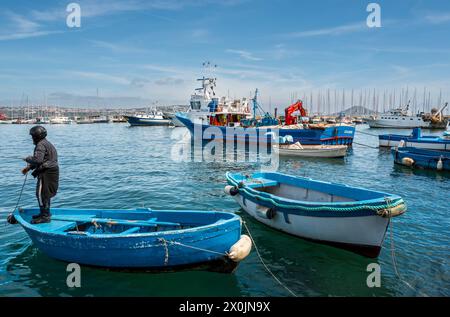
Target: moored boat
(299,150)
(151,119)
(141,238)
(416,140)
(352,218)
(413,157)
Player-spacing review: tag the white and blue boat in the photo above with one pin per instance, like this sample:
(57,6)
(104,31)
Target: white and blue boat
(417,140)
(141,238)
(348,217)
(427,159)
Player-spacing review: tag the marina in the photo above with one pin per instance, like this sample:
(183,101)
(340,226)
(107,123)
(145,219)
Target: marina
(238,149)
(299,263)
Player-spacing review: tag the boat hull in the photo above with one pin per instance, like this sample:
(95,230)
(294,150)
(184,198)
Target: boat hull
(398,124)
(136,121)
(163,249)
(331,151)
(421,158)
(361,235)
(415,140)
(337,135)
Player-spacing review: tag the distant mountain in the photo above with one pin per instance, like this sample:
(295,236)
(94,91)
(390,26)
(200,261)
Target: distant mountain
(357,111)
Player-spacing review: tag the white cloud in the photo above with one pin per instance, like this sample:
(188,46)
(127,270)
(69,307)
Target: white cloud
(102,77)
(438,18)
(19,27)
(244,54)
(337,30)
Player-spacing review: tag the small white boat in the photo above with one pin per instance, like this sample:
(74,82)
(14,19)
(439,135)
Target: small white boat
(351,218)
(298,150)
(61,120)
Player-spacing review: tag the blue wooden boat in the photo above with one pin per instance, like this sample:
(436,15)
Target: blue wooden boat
(141,238)
(351,218)
(413,157)
(417,140)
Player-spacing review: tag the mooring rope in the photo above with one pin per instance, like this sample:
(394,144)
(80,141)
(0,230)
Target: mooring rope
(371,134)
(20,195)
(196,248)
(362,144)
(264,264)
(394,258)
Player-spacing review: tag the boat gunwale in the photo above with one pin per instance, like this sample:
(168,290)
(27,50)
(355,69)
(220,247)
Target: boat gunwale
(218,223)
(373,202)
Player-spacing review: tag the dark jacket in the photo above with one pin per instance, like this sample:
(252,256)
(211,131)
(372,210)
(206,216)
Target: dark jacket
(44,158)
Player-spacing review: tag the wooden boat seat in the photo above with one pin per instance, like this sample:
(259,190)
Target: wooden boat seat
(130,231)
(91,218)
(56,225)
(261,183)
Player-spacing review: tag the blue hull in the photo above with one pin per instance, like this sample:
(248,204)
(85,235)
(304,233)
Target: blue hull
(339,135)
(131,240)
(415,140)
(422,158)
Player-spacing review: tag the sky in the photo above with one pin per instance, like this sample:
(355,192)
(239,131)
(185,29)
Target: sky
(135,53)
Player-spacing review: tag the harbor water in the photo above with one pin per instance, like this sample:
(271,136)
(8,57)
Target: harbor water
(117,166)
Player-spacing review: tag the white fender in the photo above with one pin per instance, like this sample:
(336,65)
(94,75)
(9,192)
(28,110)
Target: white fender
(241,249)
(439,165)
(401,143)
(407,161)
(228,189)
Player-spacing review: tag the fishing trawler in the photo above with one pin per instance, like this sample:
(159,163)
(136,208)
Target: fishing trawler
(402,118)
(236,123)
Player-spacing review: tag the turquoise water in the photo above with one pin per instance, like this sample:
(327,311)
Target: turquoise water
(115,166)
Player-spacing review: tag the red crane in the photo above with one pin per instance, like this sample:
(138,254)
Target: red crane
(298,106)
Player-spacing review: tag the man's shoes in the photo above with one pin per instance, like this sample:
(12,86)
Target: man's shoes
(41,219)
(37,216)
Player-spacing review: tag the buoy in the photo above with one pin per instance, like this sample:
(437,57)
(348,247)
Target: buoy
(241,249)
(231,190)
(11,219)
(407,161)
(439,164)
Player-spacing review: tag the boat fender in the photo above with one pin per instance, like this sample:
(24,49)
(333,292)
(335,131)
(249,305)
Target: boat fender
(401,143)
(407,161)
(439,164)
(241,249)
(231,190)
(267,213)
(11,219)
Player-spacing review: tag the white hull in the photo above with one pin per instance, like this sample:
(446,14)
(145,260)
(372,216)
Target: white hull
(419,145)
(366,231)
(399,123)
(313,151)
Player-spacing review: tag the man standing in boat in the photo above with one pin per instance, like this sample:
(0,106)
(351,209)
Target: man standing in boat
(44,164)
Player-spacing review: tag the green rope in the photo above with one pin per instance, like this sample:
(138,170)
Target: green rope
(321,208)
